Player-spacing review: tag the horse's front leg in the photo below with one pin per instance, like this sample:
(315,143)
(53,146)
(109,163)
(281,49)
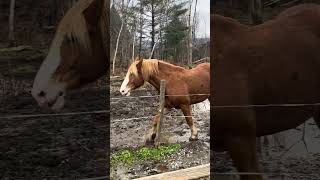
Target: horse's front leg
(186,109)
(244,158)
(150,137)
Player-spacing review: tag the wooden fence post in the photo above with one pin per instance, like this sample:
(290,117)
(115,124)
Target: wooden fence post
(161,112)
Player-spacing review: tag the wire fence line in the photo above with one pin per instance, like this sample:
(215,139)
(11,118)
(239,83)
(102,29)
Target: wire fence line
(88,112)
(266,105)
(54,114)
(147,117)
(151,96)
(137,97)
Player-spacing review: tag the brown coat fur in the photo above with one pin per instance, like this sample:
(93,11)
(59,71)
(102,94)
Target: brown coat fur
(277,62)
(182,81)
(184,87)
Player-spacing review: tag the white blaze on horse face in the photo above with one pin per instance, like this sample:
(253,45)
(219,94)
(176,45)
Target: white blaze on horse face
(125,88)
(46,91)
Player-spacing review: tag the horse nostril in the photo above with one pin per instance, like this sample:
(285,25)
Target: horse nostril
(60,93)
(41,94)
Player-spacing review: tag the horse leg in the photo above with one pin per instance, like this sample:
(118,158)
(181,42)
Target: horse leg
(317,119)
(153,130)
(186,109)
(243,153)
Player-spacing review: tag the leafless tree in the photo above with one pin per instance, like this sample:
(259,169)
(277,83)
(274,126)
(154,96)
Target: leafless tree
(11,22)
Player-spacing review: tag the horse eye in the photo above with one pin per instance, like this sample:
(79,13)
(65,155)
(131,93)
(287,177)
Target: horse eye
(41,94)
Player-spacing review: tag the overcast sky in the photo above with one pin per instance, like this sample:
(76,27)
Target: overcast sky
(203,10)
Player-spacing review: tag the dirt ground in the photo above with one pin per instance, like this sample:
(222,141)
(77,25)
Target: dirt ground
(129,134)
(56,147)
(284,153)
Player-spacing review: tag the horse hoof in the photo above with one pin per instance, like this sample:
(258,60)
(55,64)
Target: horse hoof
(193,138)
(149,141)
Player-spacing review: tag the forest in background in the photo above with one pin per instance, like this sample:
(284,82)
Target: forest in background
(161,29)
(166,27)
(253,12)
(34,21)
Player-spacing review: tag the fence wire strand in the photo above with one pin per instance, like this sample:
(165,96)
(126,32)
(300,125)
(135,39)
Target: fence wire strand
(53,114)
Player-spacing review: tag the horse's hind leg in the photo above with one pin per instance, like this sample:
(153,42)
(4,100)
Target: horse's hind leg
(317,116)
(186,109)
(317,120)
(243,153)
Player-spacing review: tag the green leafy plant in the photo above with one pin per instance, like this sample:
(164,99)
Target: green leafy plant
(128,157)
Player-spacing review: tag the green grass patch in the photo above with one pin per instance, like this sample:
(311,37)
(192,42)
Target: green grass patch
(128,157)
(21,70)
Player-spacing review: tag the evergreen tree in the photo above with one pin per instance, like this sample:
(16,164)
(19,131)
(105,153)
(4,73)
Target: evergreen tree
(175,31)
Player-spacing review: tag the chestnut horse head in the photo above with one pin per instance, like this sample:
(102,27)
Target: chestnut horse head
(139,72)
(78,54)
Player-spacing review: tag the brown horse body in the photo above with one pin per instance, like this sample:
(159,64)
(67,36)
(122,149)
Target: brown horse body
(183,86)
(277,62)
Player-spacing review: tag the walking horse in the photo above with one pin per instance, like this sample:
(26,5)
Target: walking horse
(274,63)
(184,87)
(79,53)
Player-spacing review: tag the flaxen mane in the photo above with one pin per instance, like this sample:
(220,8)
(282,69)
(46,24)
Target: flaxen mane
(74,26)
(149,68)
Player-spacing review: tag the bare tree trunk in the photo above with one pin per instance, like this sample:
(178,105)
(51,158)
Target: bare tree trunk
(133,44)
(118,40)
(194,21)
(152,51)
(153,32)
(190,35)
(163,20)
(141,31)
(255,9)
(11,22)
(116,50)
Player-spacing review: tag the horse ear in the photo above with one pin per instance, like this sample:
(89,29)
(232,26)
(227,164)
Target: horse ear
(139,65)
(136,58)
(93,13)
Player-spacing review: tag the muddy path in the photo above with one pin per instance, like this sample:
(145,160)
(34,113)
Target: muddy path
(60,147)
(283,153)
(128,133)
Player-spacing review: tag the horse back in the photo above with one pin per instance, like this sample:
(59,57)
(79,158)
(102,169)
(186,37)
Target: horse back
(198,81)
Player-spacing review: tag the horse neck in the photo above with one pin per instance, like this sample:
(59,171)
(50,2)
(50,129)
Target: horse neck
(226,30)
(164,73)
(226,27)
